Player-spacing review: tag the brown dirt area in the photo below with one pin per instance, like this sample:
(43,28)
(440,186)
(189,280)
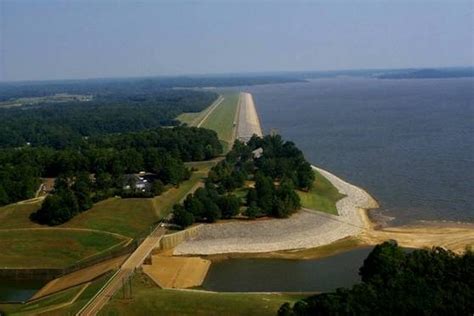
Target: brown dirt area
(177,272)
(455,237)
(80,276)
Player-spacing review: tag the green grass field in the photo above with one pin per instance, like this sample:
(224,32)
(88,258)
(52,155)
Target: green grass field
(128,217)
(322,197)
(150,300)
(164,203)
(132,218)
(194,118)
(222,120)
(51,248)
(17,215)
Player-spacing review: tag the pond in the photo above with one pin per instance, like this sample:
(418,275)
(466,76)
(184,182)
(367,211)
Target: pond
(19,290)
(284,275)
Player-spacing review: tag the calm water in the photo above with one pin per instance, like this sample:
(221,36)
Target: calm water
(408,142)
(267,275)
(19,290)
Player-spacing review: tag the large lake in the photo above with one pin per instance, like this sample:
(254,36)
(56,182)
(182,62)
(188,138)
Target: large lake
(408,142)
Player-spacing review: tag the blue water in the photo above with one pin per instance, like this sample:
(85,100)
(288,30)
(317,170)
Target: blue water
(410,143)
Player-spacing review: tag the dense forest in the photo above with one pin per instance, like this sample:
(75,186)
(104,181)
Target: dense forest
(59,125)
(160,151)
(275,167)
(397,282)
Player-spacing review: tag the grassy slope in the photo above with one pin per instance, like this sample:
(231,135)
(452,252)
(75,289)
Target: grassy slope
(322,197)
(164,203)
(129,217)
(51,248)
(17,215)
(150,300)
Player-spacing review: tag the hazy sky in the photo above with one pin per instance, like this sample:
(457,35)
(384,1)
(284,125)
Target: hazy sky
(84,39)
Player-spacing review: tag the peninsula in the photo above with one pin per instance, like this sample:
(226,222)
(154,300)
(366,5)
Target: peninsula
(311,228)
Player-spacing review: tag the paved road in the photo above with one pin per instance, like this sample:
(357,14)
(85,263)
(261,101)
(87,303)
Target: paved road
(122,275)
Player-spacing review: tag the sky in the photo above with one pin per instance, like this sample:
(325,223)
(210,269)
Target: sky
(42,40)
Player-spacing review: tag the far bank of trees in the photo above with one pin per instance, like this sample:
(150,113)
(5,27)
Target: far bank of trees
(275,167)
(396,282)
(113,109)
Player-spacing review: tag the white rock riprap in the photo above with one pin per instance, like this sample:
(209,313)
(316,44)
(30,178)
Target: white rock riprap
(306,229)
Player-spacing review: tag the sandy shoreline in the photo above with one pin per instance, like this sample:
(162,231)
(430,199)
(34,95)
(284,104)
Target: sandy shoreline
(309,228)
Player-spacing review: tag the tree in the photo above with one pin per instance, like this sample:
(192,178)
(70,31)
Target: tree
(157,187)
(182,217)
(252,211)
(57,208)
(82,189)
(265,189)
(286,200)
(229,205)
(383,262)
(3,196)
(305,176)
(396,282)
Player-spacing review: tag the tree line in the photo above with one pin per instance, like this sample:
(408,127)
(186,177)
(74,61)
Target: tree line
(276,168)
(398,282)
(60,125)
(161,151)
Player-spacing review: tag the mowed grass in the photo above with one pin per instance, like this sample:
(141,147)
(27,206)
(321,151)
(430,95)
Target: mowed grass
(164,203)
(51,248)
(322,197)
(128,217)
(194,118)
(222,119)
(135,217)
(39,246)
(150,300)
(18,215)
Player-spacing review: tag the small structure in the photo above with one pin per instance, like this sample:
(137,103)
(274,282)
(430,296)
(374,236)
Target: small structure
(257,153)
(141,182)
